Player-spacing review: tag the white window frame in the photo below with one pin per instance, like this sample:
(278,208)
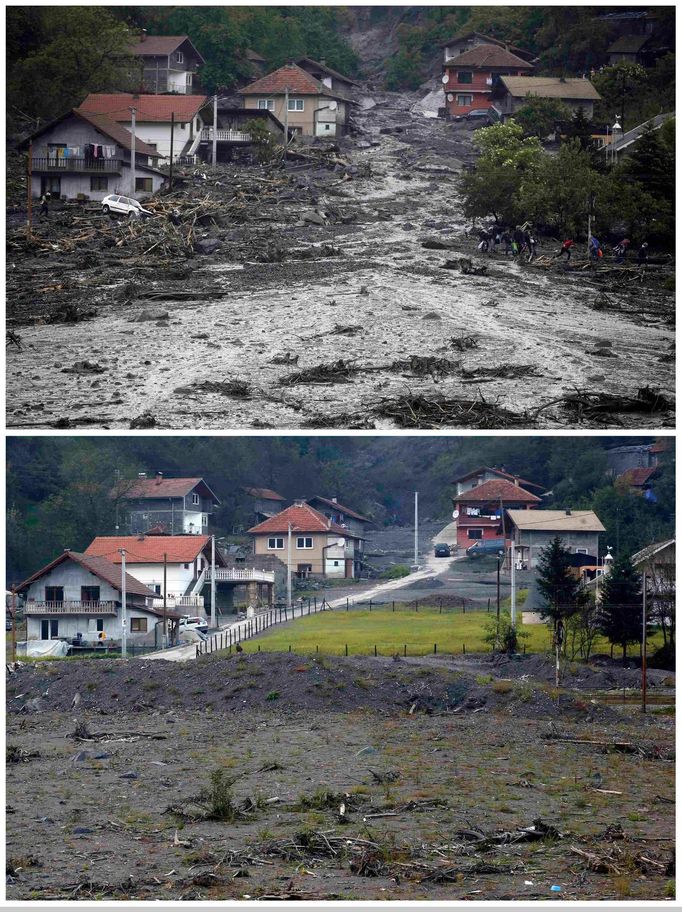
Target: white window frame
(304,539)
(179,57)
(296,104)
(278,544)
(581,551)
(204,519)
(195,498)
(459,99)
(266,104)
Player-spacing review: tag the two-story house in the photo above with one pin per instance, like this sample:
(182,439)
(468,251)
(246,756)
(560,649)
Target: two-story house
(480,511)
(265,502)
(453,47)
(168,63)
(82,594)
(510,92)
(347,518)
(487,473)
(470,77)
(319,547)
(175,506)
(306,105)
(533,530)
(161,121)
(83,155)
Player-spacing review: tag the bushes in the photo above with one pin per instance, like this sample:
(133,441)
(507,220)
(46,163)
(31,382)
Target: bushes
(397,571)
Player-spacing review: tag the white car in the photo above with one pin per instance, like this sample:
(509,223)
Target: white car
(193,623)
(124,205)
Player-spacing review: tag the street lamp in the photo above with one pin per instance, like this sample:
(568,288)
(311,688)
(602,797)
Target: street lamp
(500,558)
(615,130)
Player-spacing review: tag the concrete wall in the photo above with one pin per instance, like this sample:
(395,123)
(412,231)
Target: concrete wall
(178,578)
(303,119)
(74,185)
(573,541)
(158,134)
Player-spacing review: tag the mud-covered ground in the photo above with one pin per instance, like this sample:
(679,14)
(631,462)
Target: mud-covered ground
(357,287)
(337,779)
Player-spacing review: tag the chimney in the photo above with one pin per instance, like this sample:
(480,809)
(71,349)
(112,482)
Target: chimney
(141,475)
(335,499)
(140,537)
(516,480)
(159,477)
(323,62)
(143,35)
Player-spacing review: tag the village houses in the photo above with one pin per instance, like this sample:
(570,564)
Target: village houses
(174,506)
(470,77)
(168,63)
(533,530)
(480,511)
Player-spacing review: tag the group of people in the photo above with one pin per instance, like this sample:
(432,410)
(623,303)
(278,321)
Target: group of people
(519,241)
(596,251)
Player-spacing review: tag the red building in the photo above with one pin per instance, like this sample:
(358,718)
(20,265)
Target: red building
(479,511)
(471,76)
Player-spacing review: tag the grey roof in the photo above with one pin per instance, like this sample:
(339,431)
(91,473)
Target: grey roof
(641,557)
(556,521)
(550,87)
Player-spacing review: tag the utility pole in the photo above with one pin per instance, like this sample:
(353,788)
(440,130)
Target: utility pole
(165,607)
(289,565)
(286,116)
(213,605)
(14,625)
(644,642)
(513,585)
(215,132)
(416,529)
(133,111)
(124,619)
(499,564)
(29,221)
(170,175)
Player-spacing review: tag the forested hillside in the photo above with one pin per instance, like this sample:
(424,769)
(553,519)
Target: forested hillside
(57,493)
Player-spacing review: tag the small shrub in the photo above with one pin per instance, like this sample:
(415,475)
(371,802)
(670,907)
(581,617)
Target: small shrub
(273,695)
(483,679)
(502,687)
(523,691)
(218,798)
(670,889)
(397,571)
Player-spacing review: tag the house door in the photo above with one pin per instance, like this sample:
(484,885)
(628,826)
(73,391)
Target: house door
(52,185)
(49,628)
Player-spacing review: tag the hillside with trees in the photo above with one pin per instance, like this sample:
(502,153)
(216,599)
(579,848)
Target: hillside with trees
(58,489)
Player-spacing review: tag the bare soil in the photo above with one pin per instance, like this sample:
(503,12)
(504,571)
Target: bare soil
(356,304)
(487,785)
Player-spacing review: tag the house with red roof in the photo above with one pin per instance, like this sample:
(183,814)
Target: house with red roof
(86,155)
(640,480)
(479,511)
(486,473)
(169,63)
(174,506)
(308,106)
(470,77)
(160,120)
(309,542)
(82,594)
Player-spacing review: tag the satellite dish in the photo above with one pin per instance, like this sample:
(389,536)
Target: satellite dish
(340,542)
(451,97)
(333,105)
(455,514)
(446,78)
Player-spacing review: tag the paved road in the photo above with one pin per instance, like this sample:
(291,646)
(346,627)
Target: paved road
(432,566)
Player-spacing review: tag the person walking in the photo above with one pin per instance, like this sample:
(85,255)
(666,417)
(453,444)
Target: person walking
(484,242)
(643,254)
(594,249)
(565,249)
(44,205)
(505,237)
(621,250)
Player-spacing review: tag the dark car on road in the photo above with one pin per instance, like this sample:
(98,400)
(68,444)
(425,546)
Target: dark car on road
(442,550)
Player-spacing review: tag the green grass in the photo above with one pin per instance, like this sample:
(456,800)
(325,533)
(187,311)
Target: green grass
(391,631)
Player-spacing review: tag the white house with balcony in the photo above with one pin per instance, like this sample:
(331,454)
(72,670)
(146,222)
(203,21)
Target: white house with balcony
(168,63)
(82,594)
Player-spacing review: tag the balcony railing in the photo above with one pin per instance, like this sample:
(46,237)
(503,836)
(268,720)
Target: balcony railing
(225,135)
(95,165)
(70,607)
(233,574)
(180,601)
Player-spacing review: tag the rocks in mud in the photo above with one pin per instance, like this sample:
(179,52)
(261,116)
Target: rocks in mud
(207,246)
(438,244)
(142,422)
(466,266)
(84,368)
(432,315)
(151,316)
(313,217)
(71,313)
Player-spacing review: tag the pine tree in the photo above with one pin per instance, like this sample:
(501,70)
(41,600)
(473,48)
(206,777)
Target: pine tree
(559,586)
(620,612)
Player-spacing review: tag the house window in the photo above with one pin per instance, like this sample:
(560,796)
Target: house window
(186,566)
(49,629)
(266,104)
(581,550)
(89,593)
(95,625)
(465,77)
(52,185)
(304,541)
(99,183)
(189,79)
(303,571)
(295,104)
(336,563)
(195,498)
(138,625)
(54,593)
(144,184)
(275,544)
(475,533)
(327,127)
(157,588)
(179,57)
(204,519)
(464,100)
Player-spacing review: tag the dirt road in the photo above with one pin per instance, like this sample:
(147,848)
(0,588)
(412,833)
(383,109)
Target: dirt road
(537,332)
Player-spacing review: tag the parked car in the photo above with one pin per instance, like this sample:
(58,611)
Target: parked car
(481,117)
(193,623)
(124,205)
(442,550)
(490,547)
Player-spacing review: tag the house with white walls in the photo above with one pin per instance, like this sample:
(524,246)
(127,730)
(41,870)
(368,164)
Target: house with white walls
(173,506)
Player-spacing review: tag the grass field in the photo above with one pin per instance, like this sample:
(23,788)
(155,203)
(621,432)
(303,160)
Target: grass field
(452,633)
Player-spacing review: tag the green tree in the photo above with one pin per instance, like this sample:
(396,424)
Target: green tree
(620,609)
(538,116)
(618,85)
(558,584)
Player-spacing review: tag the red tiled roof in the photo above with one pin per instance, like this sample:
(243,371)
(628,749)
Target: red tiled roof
(149,107)
(264,493)
(116,132)
(100,566)
(490,40)
(488,55)
(497,489)
(179,549)
(337,506)
(303,518)
(164,487)
(297,80)
(637,477)
(160,46)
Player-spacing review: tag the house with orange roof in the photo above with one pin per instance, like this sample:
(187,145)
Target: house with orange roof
(160,120)
(469,78)
(306,105)
(82,594)
(309,542)
(480,511)
(169,63)
(86,155)
(174,506)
